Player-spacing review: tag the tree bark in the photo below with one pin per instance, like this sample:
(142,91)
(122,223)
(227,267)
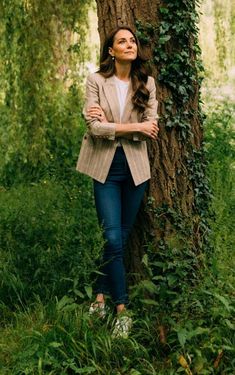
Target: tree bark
(113,13)
(171,184)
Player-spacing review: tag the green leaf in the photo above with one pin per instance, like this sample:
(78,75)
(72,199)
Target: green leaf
(55,344)
(134,372)
(223,300)
(163,39)
(160,277)
(164,10)
(145,260)
(229,348)
(84,370)
(88,290)
(230,324)
(149,286)
(78,293)
(159,264)
(182,336)
(149,302)
(64,301)
(172,279)
(197,331)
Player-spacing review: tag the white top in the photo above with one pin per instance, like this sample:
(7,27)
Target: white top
(122,88)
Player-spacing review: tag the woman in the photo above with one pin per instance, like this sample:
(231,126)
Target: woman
(121,113)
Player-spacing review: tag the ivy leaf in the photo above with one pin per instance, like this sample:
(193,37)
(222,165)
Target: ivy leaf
(182,89)
(145,260)
(163,39)
(164,10)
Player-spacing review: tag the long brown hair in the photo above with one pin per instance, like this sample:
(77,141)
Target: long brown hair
(139,71)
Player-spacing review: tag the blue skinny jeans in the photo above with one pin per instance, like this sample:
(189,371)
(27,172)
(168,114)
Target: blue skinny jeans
(117,203)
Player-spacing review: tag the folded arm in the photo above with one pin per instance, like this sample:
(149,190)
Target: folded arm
(99,127)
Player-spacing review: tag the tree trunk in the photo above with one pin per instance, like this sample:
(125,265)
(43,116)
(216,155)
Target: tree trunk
(176,160)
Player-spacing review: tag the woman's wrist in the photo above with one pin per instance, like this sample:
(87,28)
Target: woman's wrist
(134,127)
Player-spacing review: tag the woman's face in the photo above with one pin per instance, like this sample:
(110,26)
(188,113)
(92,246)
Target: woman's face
(124,47)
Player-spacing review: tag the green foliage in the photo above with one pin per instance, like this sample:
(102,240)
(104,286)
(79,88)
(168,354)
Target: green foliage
(43,224)
(62,131)
(192,292)
(176,317)
(49,240)
(36,103)
(219,139)
(67,340)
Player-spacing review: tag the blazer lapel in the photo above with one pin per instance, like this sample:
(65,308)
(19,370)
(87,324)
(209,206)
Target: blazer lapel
(112,98)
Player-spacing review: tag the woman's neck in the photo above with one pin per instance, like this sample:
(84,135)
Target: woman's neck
(122,71)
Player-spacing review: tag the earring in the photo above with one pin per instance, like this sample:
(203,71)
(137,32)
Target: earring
(113,58)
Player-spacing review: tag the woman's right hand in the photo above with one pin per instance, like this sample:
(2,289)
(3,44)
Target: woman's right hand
(149,129)
(97,112)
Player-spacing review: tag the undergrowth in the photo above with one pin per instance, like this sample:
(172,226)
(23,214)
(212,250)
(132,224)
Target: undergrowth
(49,244)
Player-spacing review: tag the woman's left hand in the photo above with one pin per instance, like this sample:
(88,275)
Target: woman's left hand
(97,112)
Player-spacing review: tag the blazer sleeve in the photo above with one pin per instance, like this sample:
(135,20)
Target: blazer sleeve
(150,112)
(96,128)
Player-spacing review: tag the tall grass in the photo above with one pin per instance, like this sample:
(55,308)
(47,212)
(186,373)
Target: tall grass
(49,243)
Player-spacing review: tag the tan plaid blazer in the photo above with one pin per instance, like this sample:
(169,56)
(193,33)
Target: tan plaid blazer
(99,143)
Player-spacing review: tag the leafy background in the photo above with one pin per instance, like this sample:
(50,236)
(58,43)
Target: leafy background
(49,237)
